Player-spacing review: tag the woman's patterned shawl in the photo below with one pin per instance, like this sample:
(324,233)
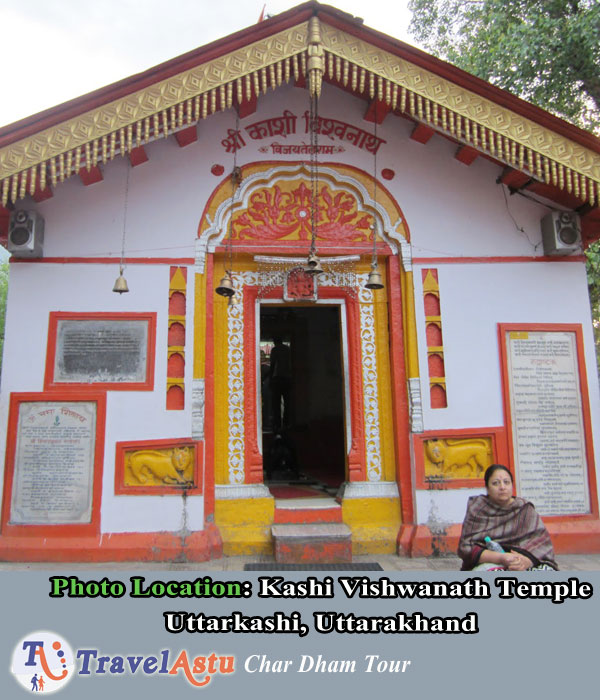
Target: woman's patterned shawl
(518,528)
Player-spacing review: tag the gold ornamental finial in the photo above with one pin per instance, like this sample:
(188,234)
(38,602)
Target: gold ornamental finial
(316,57)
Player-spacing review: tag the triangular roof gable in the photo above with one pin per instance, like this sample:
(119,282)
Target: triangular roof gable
(83,133)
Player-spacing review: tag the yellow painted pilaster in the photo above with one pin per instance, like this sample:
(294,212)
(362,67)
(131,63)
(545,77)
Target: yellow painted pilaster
(245,525)
(220,379)
(199,325)
(374,522)
(410,329)
(384,382)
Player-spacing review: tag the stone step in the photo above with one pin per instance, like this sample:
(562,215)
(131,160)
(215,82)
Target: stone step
(307,510)
(308,543)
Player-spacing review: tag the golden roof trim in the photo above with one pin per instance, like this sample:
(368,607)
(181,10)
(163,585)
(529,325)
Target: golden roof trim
(212,80)
(520,139)
(182,100)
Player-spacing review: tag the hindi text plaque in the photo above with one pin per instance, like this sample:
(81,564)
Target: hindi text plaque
(54,463)
(547,421)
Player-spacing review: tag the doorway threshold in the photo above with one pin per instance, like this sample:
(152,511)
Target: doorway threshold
(307,510)
(317,503)
(305,489)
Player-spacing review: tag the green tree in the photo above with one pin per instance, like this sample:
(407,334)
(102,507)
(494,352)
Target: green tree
(545,51)
(3,293)
(593,270)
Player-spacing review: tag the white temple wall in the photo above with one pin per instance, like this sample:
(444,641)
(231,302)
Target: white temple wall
(451,210)
(131,415)
(474,299)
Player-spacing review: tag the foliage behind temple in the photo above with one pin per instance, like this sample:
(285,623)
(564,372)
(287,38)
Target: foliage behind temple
(545,51)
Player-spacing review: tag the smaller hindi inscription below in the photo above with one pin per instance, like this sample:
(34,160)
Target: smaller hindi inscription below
(54,463)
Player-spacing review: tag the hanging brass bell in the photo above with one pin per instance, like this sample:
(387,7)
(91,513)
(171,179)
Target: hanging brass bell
(225,288)
(120,283)
(374,280)
(313,265)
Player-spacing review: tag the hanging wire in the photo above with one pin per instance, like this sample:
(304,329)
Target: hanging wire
(374,280)
(374,255)
(314,170)
(120,285)
(225,287)
(313,264)
(125,217)
(236,178)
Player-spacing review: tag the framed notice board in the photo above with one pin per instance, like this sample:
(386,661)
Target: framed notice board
(54,458)
(547,417)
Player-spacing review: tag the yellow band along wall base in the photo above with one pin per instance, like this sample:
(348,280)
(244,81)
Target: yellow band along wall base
(374,522)
(245,525)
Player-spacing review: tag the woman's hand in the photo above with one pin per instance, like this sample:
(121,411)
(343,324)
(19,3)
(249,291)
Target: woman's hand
(514,561)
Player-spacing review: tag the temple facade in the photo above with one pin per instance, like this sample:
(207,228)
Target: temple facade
(223,391)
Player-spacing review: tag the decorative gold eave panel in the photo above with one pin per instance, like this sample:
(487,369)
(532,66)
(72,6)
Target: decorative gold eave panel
(96,136)
(468,117)
(158,110)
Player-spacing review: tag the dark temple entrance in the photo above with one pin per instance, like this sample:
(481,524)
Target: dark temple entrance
(302,400)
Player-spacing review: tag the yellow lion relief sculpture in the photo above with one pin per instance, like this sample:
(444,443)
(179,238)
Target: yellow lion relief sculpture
(169,467)
(458,457)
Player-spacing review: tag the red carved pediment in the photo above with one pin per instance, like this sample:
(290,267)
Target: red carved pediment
(283,212)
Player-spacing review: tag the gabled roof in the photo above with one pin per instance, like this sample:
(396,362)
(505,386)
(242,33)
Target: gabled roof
(539,152)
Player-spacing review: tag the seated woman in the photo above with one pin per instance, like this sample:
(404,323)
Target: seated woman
(510,521)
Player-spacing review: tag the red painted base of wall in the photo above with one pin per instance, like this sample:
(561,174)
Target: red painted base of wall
(573,537)
(150,546)
(404,540)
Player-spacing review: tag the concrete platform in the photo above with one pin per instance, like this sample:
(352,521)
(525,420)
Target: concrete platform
(388,562)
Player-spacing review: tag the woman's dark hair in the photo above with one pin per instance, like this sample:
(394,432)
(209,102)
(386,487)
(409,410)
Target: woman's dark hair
(491,469)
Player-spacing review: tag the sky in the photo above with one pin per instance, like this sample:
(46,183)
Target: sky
(54,50)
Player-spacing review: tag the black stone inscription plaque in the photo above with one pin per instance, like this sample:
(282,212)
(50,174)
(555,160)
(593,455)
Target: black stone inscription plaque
(101,351)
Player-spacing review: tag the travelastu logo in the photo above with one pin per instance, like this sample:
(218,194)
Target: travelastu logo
(44,662)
